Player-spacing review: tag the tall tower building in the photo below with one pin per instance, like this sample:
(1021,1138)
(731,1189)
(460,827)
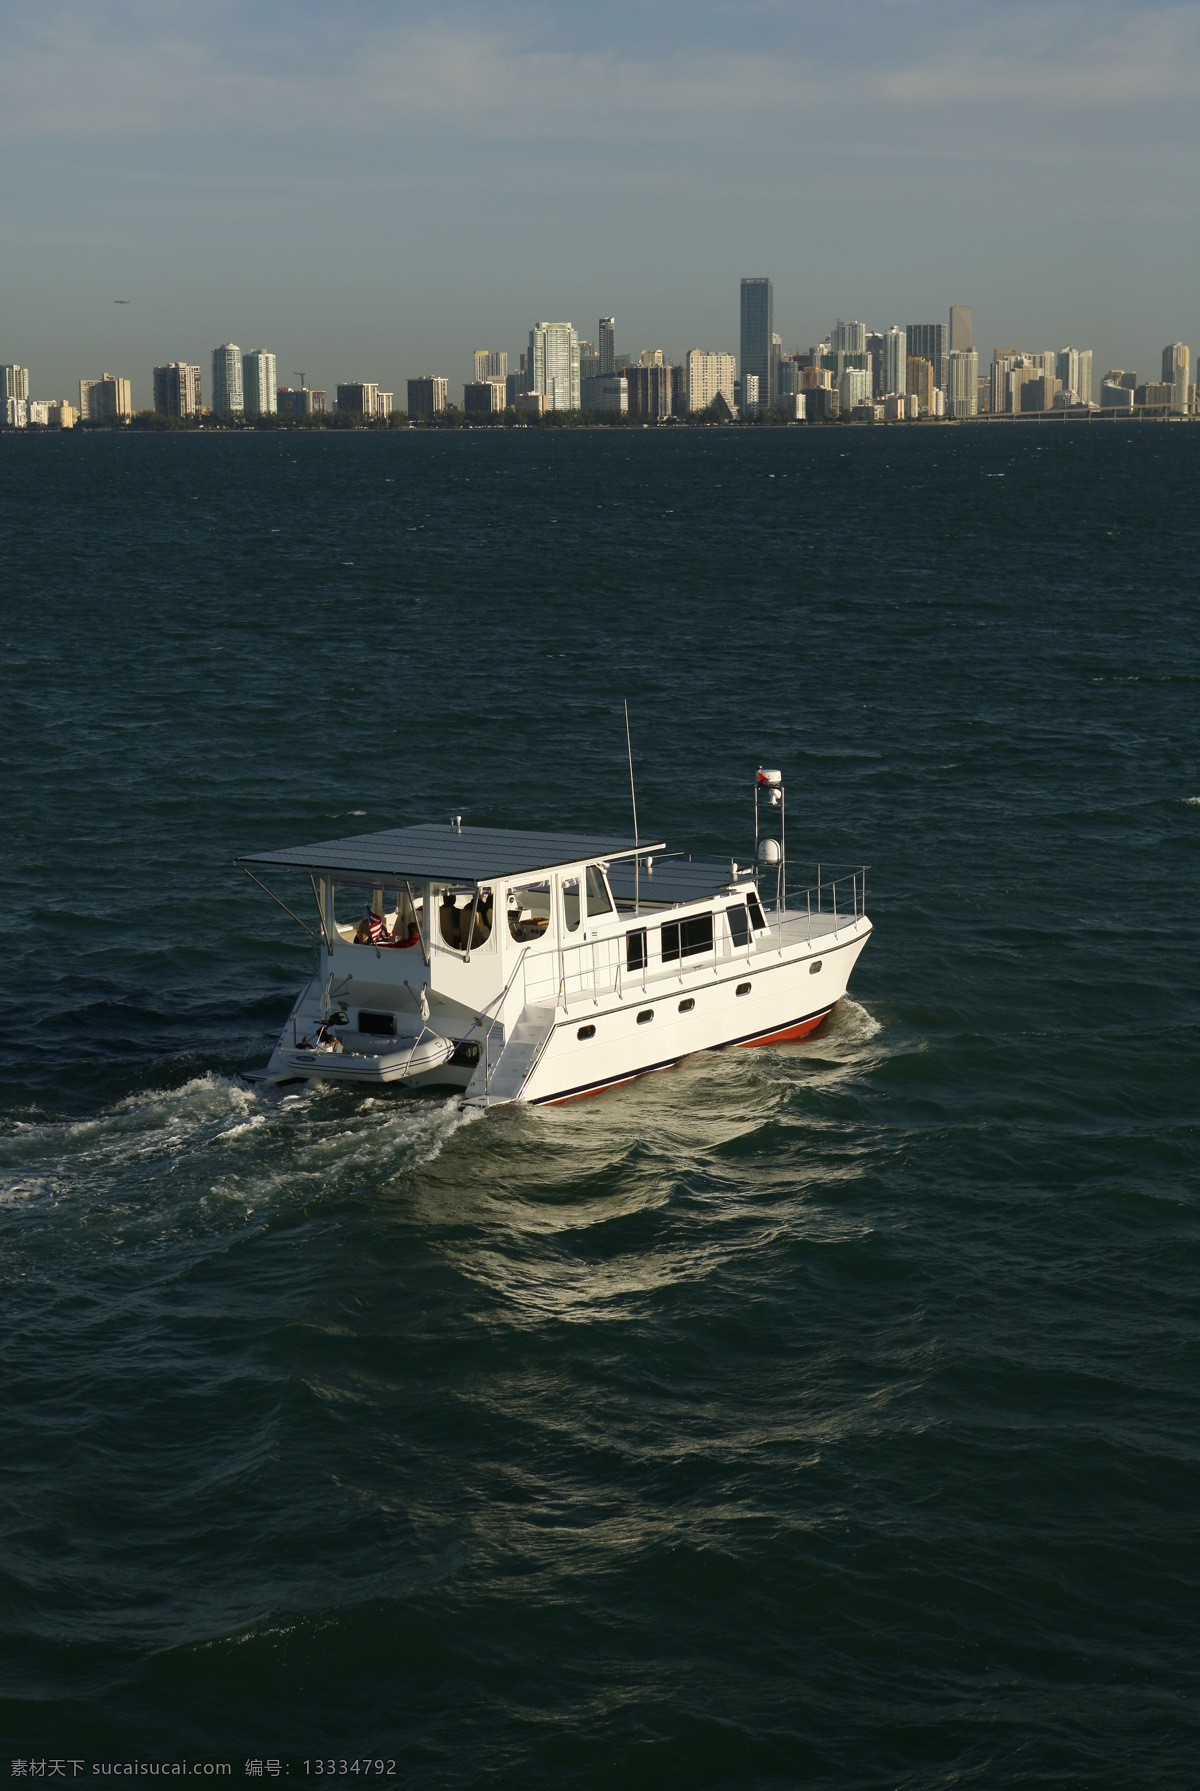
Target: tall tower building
(758,328)
(259,390)
(848,338)
(177,389)
(554,364)
(14,382)
(928,342)
(960,329)
(490,363)
(1176,359)
(227,380)
(962,390)
(608,345)
(895,361)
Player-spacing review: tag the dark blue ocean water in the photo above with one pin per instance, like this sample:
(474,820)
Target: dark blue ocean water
(827,1415)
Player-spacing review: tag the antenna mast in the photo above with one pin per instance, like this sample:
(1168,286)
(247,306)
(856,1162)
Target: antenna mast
(633,796)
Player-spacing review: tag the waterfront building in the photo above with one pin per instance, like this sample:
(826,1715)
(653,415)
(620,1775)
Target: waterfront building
(531,404)
(301,401)
(821,404)
(1155,395)
(427,395)
(359,398)
(1073,370)
(875,350)
(757,332)
(895,407)
(484,397)
(16,412)
(37,412)
(1176,360)
(554,364)
(1114,395)
(108,399)
(706,374)
(792,407)
(227,398)
(177,389)
(515,384)
(848,337)
(1117,376)
(895,361)
(751,393)
(14,382)
(605,392)
(961,339)
(259,388)
(919,380)
(912,407)
(491,363)
(962,387)
(1003,361)
(383,405)
(649,390)
(776,359)
(927,341)
(608,345)
(1038,393)
(589,359)
(854,389)
(51,413)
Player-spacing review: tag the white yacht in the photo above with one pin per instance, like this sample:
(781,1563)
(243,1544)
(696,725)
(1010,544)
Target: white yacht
(539,967)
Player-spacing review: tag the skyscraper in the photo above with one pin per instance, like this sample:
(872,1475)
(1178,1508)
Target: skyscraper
(14,382)
(177,390)
(895,361)
(491,363)
(227,380)
(758,328)
(848,338)
(705,375)
(1073,370)
(258,383)
(962,390)
(960,329)
(928,342)
(608,345)
(554,364)
(108,399)
(1176,360)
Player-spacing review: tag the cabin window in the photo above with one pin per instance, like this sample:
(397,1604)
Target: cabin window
(635,949)
(645,1017)
(687,1004)
(598,899)
(586,1032)
(383,1025)
(743,988)
(453,907)
(687,938)
(529,911)
(739,924)
(756,913)
(570,892)
(813,968)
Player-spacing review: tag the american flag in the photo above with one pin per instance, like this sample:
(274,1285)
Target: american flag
(378,930)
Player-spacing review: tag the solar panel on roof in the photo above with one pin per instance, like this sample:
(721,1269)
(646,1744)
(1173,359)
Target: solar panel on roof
(470,854)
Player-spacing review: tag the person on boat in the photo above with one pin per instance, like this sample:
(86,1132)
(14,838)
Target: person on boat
(414,936)
(362,933)
(450,919)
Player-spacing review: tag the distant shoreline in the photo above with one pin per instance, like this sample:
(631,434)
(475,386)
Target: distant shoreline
(573,422)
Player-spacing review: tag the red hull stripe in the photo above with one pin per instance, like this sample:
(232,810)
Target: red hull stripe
(787,1033)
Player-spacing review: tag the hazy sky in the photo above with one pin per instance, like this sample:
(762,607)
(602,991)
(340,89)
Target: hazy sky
(373,190)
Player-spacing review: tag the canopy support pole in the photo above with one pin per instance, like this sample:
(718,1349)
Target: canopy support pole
(281,903)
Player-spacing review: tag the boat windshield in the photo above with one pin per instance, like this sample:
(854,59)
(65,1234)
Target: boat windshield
(598,899)
(529,911)
(453,906)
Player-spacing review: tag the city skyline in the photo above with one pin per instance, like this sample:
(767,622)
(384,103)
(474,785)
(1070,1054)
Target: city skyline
(1057,141)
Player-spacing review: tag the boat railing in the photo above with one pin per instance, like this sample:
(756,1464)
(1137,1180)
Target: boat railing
(498,1004)
(843,896)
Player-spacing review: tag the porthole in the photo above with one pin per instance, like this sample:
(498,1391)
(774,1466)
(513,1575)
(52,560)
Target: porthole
(645,1017)
(586,1032)
(743,988)
(686,1005)
(813,968)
